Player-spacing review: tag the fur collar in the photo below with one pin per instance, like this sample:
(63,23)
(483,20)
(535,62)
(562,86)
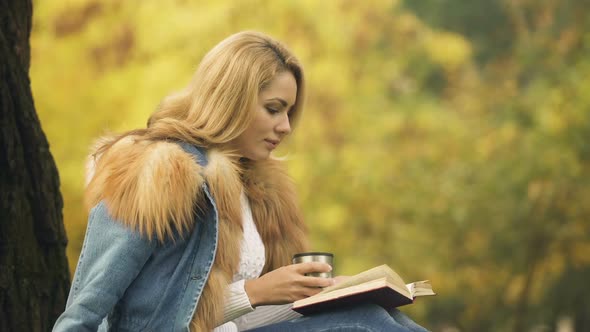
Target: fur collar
(154,187)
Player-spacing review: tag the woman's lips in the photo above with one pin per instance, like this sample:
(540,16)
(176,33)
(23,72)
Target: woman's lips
(272,144)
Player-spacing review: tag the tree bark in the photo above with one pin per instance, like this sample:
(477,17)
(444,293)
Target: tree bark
(34,275)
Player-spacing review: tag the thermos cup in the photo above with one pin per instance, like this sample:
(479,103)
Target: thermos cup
(323,257)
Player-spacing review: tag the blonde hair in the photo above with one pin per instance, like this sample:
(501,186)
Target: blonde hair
(216,107)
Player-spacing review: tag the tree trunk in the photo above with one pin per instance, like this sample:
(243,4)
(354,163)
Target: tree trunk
(34,275)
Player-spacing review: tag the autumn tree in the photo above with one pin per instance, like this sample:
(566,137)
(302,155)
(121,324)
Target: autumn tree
(34,276)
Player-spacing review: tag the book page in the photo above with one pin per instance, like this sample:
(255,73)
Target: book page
(334,293)
(371,274)
(420,288)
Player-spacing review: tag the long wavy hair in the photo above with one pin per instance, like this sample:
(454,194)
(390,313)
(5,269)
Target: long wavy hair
(217,105)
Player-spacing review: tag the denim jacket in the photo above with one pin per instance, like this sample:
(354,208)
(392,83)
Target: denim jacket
(127,282)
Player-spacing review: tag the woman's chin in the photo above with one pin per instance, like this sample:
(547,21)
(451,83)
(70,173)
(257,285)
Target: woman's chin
(259,156)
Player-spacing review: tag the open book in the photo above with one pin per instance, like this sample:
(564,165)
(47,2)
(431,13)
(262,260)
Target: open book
(379,285)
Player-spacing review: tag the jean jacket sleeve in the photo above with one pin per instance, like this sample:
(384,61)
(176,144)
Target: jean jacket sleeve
(111,258)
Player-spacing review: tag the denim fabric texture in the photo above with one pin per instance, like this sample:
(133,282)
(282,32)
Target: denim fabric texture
(368,317)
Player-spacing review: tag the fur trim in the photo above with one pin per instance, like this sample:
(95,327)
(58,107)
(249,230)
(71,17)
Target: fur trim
(92,159)
(149,186)
(154,187)
(209,313)
(223,178)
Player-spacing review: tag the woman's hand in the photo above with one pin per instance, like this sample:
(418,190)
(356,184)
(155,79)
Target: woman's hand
(287,284)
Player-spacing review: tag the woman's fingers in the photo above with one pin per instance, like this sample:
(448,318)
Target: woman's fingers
(310,267)
(317,282)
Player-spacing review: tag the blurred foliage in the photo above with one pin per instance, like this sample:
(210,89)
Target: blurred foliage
(448,139)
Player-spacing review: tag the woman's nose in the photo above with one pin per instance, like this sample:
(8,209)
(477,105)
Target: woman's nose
(284,126)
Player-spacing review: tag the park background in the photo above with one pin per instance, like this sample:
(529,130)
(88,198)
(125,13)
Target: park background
(448,139)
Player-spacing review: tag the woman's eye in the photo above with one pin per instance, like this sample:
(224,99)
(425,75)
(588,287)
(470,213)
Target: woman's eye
(272,110)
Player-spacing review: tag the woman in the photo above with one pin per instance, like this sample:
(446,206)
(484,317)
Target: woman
(193,223)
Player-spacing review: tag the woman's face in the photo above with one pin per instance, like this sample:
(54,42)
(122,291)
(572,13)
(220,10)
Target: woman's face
(271,119)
